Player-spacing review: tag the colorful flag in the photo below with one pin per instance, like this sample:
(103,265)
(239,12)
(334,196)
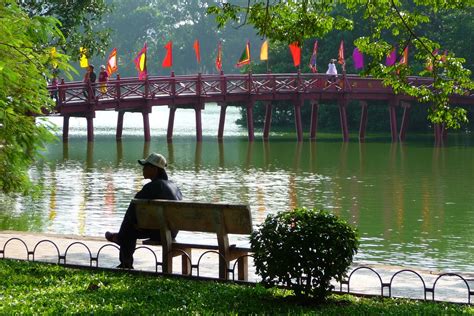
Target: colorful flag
(340,58)
(295,50)
(314,58)
(219,57)
(358,58)
(112,62)
(168,61)
(84,63)
(54,56)
(140,63)
(197,50)
(245,57)
(404,59)
(429,61)
(391,57)
(264,51)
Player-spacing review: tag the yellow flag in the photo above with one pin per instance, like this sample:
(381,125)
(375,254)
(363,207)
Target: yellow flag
(83,61)
(264,51)
(54,56)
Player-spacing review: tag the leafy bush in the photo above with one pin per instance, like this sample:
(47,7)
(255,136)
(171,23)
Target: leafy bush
(303,250)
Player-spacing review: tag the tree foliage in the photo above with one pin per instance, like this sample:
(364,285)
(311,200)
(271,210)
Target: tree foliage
(158,21)
(26,62)
(384,23)
(80,23)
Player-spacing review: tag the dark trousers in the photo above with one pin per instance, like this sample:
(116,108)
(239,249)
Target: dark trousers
(128,235)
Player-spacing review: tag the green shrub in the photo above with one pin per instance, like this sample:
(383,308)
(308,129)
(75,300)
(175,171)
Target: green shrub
(303,250)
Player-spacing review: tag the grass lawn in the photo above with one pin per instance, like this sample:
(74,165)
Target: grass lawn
(36,288)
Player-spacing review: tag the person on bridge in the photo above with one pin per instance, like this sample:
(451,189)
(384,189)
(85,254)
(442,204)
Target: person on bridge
(332,70)
(89,81)
(103,77)
(159,188)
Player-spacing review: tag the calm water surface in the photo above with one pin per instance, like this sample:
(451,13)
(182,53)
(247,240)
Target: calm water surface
(413,203)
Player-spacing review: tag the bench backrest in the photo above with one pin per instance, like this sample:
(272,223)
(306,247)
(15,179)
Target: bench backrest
(194,216)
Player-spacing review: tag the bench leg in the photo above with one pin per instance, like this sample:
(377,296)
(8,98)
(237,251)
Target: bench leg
(243,266)
(185,263)
(223,269)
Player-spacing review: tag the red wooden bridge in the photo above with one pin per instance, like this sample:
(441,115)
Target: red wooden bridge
(77,99)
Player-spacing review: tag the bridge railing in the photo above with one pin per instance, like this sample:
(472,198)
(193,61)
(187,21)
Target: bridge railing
(73,93)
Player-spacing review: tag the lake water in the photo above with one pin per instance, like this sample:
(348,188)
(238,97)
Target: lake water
(413,203)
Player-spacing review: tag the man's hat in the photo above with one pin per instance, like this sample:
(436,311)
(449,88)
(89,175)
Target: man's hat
(154,159)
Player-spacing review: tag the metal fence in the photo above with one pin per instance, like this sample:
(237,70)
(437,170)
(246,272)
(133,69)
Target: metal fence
(365,280)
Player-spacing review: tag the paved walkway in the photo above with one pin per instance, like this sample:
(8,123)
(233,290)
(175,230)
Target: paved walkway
(363,279)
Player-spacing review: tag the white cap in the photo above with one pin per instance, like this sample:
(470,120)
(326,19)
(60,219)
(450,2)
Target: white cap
(154,159)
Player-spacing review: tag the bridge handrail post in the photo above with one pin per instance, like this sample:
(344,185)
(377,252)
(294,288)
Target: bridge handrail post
(147,87)
(118,93)
(249,82)
(62,93)
(223,82)
(173,84)
(298,80)
(198,84)
(90,95)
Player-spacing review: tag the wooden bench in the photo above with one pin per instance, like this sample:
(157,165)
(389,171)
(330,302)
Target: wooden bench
(221,219)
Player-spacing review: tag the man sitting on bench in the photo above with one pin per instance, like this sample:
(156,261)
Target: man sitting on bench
(159,188)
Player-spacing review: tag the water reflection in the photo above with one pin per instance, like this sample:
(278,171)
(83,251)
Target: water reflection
(410,203)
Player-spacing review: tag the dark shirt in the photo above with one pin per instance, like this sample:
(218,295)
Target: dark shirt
(160,189)
(103,76)
(92,77)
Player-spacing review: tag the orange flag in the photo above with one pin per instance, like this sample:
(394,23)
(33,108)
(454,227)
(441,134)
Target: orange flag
(404,59)
(112,62)
(168,61)
(295,50)
(197,51)
(219,57)
(340,58)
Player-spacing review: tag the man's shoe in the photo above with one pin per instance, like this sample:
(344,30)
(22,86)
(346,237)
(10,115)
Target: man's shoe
(112,237)
(124,266)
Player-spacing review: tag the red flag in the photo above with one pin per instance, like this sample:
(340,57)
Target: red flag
(168,61)
(295,53)
(140,63)
(340,58)
(314,58)
(219,57)
(197,51)
(112,62)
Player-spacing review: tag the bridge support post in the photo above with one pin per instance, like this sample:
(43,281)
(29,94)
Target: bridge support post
(65,128)
(393,120)
(299,126)
(250,120)
(363,120)
(220,131)
(169,134)
(118,133)
(405,118)
(146,125)
(268,120)
(343,119)
(90,127)
(313,128)
(197,110)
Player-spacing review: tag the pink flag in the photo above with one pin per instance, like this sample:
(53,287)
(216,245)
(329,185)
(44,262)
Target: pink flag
(391,58)
(358,59)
